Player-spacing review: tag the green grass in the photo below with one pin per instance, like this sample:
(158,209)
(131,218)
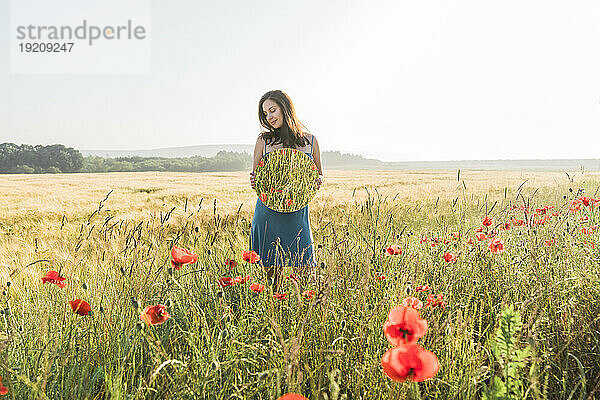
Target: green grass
(223,343)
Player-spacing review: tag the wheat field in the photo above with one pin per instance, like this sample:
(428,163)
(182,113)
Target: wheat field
(110,235)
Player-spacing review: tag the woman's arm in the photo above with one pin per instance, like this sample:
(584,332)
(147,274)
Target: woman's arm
(316,152)
(258,150)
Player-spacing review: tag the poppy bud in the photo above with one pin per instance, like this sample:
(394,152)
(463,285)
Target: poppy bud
(169,303)
(91,312)
(215,364)
(407,290)
(135,303)
(139,326)
(564,197)
(101,309)
(343,324)
(219,294)
(224,333)
(123,270)
(84,286)
(270,281)
(347,233)
(170,271)
(320,246)
(196,229)
(208,252)
(7,311)
(571,190)
(4,293)
(8,283)
(322,265)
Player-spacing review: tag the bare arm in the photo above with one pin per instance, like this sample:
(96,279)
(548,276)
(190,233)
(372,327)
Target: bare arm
(258,150)
(316,152)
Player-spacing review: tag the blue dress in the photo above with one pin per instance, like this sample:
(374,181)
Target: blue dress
(293,230)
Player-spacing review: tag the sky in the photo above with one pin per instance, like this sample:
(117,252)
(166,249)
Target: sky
(394,80)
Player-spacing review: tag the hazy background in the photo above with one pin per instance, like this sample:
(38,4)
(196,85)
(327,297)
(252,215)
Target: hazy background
(393,80)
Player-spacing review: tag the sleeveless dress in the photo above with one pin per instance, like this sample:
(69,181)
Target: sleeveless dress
(293,230)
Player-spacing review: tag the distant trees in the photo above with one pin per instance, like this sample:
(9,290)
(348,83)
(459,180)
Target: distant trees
(56,158)
(27,159)
(223,161)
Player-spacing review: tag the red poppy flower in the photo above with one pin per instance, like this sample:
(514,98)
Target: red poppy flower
(380,277)
(81,307)
(231,264)
(3,389)
(404,325)
(496,246)
(280,296)
(456,235)
(410,362)
(412,302)
(263,197)
(506,226)
(257,288)
(449,257)
(54,277)
(272,190)
(292,396)
(226,281)
(480,236)
(393,250)
(155,315)
(241,279)
(470,242)
(422,288)
(435,301)
(293,277)
(550,242)
(181,257)
(313,167)
(308,294)
(250,256)
(289,202)
(487,221)
(423,240)
(479,229)
(261,163)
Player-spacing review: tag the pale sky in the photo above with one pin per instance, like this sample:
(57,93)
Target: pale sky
(394,80)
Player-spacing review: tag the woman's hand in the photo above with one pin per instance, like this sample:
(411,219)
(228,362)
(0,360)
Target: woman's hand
(319,181)
(252,180)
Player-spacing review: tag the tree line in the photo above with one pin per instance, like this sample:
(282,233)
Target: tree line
(28,159)
(57,158)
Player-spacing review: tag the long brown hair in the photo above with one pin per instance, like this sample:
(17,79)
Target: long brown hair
(290,133)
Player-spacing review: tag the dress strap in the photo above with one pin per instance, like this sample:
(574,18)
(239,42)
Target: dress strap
(312,138)
(265,146)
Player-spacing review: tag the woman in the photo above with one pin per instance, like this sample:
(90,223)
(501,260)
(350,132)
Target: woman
(273,233)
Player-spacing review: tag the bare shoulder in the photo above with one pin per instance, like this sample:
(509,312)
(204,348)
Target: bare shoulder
(310,136)
(260,138)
